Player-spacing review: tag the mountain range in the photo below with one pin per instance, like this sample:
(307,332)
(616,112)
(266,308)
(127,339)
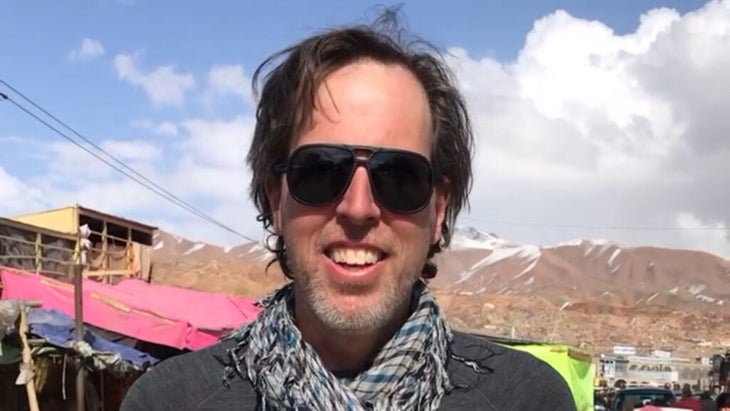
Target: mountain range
(591,293)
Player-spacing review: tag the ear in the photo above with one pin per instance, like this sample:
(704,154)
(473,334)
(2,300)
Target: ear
(441,201)
(273,196)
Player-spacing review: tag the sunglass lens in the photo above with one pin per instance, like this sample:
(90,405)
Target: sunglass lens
(318,175)
(402,182)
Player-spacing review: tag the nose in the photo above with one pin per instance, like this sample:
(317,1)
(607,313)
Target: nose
(358,204)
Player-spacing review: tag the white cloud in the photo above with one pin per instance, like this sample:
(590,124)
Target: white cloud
(203,165)
(66,162)
(226,80)
(16,196)
(219,142)
(712,237)
(229,80)
(132,150)
(590,128)
(165,128)
(163,85)
(88,50)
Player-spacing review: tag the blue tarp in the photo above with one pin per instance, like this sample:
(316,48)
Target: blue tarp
(58,329)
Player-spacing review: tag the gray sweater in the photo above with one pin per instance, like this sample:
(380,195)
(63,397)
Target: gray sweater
(505,379)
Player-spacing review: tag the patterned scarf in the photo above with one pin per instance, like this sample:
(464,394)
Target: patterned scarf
(409,373)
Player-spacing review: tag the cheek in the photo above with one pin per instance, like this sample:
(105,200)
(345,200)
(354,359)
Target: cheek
(426,221)
(300,223)
(413,231)
(291,210)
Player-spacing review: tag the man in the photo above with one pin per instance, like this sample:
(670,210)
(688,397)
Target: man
(708,403)
(723,401)
(688,401)
(361,162)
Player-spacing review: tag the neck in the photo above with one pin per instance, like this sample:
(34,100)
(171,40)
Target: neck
(346,351)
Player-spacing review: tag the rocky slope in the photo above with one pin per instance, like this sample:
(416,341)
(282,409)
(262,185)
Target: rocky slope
(592,294)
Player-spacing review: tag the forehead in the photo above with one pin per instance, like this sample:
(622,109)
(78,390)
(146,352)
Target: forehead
(371,104)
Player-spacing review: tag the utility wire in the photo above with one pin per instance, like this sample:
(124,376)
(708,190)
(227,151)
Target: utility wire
(162,192)
(597,227)
(120,166)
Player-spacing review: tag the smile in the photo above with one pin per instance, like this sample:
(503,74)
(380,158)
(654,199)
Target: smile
(348,264)
(354,256)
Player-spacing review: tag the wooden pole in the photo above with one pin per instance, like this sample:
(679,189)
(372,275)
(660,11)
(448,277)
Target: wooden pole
(28,360)
(78,278)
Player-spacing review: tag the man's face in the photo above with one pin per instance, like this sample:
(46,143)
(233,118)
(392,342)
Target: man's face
(332,248)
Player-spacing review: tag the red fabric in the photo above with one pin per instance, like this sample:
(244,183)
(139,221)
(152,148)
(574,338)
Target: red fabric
(170,316)
(689,403)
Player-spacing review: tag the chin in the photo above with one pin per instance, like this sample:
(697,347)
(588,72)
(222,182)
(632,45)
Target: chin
(352,313)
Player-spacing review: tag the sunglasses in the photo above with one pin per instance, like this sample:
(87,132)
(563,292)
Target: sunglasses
(319,174)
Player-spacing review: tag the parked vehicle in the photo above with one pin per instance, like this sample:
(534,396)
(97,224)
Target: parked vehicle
(642,396)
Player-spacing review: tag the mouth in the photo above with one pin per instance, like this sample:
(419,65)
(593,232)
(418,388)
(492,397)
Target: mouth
(354,258)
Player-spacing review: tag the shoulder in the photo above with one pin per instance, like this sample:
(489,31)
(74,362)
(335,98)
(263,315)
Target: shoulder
(182,382)
(506,375)
(510,363)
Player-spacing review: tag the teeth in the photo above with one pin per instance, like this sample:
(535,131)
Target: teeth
(351,256)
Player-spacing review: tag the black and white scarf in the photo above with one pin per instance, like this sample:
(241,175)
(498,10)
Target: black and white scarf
(409,373)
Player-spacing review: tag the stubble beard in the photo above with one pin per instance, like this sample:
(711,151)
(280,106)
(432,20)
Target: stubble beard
(322,301)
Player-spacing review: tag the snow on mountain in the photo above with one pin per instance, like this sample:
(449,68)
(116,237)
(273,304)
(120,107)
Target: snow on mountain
(482,263)
(194,248)
(583,242)
(525,256)
(168,246)
(580,270)
(590,247)
(470,237)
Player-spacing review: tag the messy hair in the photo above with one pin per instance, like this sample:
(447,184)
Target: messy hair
(285,87)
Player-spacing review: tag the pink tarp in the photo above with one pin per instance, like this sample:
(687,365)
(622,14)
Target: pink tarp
(170,316)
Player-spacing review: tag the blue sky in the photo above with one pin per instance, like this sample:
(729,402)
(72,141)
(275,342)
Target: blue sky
(163,85)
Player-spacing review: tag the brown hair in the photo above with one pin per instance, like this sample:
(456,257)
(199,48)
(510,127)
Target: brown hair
(287,99)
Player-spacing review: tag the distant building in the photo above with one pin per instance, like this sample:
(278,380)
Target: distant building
(118,246)
(653,370)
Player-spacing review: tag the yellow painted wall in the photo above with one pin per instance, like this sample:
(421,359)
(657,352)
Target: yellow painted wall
(64,220)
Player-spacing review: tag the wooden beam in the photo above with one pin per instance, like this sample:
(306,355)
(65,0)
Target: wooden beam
(28,362)
(78,271)
(105,273)
(32,303)
(128,252)
(104,247)
(38,252)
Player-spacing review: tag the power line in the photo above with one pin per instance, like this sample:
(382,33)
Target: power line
(167,195)
(120,166)
(597,227)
